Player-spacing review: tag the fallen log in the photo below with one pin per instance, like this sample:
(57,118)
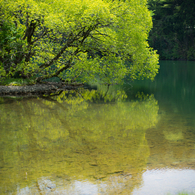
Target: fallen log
(37,89)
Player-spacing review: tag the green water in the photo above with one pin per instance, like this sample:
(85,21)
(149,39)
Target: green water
(133,139)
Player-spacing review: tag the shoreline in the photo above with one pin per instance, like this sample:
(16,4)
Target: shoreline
(37,89)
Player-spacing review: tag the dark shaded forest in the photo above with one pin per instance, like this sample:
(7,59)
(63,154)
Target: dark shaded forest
(173,33)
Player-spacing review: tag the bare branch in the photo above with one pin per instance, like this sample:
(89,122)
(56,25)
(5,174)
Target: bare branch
(84,34)
(41,35)
(68,65)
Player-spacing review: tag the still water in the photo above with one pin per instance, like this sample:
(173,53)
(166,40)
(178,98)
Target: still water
(136,139)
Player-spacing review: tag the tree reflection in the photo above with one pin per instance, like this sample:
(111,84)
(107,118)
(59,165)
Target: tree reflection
(74,138)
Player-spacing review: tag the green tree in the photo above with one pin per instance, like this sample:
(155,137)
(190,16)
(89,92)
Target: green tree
(77,40)
(173,33)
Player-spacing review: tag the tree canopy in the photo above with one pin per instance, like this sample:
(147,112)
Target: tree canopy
(174,28)
(76,40)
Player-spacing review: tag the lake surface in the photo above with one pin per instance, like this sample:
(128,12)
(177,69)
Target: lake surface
(136,139)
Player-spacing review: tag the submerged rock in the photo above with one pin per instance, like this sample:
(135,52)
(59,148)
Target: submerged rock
(46,186)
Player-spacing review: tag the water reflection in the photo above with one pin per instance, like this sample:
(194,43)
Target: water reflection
(173,87)
(164,181)
(100,142)
(71,138)
(160,181)
(172,143)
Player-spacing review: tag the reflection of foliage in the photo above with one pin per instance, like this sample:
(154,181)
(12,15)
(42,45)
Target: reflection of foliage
(174,85)
(173,136)
(73,137)
(172,142)
(103,94)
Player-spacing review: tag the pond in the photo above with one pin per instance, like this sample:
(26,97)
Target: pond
(136,139)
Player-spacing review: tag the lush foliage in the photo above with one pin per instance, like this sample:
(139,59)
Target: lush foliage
(76,40)
(174,28)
